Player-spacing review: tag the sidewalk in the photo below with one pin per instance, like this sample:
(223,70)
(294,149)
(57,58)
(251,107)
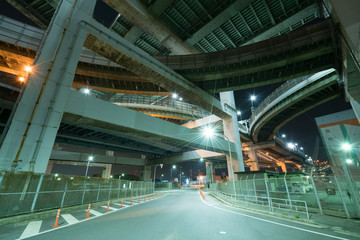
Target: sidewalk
(350,227)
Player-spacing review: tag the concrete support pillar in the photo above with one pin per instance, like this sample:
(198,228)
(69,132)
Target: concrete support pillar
(253,162)
(107,171)
(147,173)
(231,131)
(28,143)
(282,164)
(209,172)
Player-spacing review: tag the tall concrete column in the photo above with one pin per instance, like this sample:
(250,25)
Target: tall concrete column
(107,171)
(253,162)
(147,173)
(29,141)
(209,172)
(231,131)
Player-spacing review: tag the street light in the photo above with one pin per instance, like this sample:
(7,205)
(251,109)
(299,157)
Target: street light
(347,147)
(173,167)
(209,133)
(121,175)
(252,99)
(201,159)
(161,166)
(88,164)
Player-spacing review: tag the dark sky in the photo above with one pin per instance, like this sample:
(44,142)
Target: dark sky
(301,130)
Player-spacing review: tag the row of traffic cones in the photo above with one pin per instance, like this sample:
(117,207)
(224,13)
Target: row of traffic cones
(107,209)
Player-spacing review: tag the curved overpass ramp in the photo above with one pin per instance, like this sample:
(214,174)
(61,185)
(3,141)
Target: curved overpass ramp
(290,100)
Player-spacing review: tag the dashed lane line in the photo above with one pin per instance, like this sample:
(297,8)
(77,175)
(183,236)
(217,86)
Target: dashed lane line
(70,219)
(33,228)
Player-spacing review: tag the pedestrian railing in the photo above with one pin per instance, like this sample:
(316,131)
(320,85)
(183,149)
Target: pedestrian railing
(277,205)
(27,192)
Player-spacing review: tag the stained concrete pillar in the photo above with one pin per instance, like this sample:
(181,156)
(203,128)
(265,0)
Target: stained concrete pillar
(107,171)
(31,135)
(231,131)
(147,173)
(253,162)
(209,172)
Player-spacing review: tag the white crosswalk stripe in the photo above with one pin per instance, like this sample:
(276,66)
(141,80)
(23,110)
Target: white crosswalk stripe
(111,208)
(31,229)
(70,219)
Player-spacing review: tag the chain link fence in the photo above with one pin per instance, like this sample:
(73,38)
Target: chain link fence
(27,192)
(295,194)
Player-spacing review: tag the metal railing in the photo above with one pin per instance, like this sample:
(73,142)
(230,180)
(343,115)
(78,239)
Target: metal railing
(275,94)
(27,192)
(288,85)
(163,101)
(282,206)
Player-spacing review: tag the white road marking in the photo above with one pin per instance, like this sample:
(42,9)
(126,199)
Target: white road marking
(119,204)
(70,219)
(31,229)
(276,223)
(96,213)
(222,232)
(111,208)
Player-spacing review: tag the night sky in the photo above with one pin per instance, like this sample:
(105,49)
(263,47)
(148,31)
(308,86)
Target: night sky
(302,130)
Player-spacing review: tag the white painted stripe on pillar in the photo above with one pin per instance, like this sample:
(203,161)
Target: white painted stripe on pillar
(70,219)
(31,229)
(111,208)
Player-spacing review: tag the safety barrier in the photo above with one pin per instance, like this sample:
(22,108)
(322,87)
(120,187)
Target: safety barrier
(202,194)
(277,205)
(28,192)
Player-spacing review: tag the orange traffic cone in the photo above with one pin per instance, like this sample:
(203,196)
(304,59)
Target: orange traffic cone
(121,203)
(153,196)
(131,201)
(139,199)
(107,209)
(88,211)
(57,219)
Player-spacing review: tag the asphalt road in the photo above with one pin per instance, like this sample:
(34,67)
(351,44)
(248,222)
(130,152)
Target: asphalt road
(184,215)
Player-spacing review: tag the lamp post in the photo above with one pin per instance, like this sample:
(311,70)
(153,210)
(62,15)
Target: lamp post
(161,166)
(252,99)
(88,164)
(173,167)
(346,147)
(209,132)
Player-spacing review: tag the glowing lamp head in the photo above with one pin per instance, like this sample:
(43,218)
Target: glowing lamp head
(86,91)
(283,135)
(238,112)
(201,159)
(174,96)
(291,145)
(349,161)
(346,146)
(91,158)
(252,97)
(21,79)
(174,166)
(28,68)
(208,132)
